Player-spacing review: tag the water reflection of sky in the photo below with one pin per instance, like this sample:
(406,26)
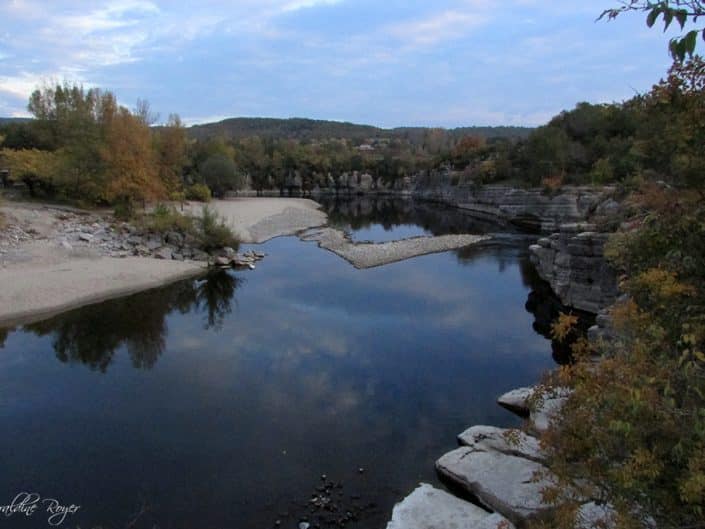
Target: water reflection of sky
(377,233)
(317,368)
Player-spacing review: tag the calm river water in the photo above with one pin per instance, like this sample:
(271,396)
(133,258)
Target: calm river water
(220,402)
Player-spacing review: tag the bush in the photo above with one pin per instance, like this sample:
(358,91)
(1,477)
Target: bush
(124,210)
(199,193)
(165,219)
(633,432)
(214,232)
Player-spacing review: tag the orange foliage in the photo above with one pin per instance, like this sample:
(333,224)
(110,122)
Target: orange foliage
(130,160)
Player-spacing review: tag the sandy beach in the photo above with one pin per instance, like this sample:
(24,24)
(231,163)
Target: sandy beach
(256,220)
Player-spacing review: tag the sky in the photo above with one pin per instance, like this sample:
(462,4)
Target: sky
(388,63)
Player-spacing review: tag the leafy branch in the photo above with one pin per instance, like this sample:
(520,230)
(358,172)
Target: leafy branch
(683,12)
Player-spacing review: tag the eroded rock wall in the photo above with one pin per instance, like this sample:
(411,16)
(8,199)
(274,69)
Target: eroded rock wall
(572,262)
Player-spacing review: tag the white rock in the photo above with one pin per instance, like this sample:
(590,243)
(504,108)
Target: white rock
(591,515)
(517,400)
(223,261)
(504,483)
(548,402)
(430,508)
(547,409)
(87,237)
(512,442)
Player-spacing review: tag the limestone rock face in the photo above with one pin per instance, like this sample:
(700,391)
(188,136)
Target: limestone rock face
(507,484)
(572,261)
(430,508)
(531,209)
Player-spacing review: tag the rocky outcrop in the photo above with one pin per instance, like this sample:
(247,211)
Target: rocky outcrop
(505,483)
(572,261)
(534,209)
(531,209)
(430,508)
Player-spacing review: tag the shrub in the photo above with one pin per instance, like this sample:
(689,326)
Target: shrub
(633,432)
(165,218)
(199,193)
(214,232)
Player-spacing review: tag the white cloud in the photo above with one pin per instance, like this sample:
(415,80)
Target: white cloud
(19,86)
(295,5)
(437,27)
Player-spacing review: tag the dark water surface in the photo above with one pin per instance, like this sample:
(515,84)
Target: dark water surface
(218,403)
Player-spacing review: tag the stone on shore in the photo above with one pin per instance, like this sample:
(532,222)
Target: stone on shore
(430,508)
(593,515)
(510,442)
(507,484)
(517,400)
(546,411)
(541,405)
(163,253)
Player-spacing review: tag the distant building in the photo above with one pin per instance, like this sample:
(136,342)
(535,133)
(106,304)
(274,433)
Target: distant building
(365,147)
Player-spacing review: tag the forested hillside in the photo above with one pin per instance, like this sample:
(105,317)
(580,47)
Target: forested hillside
(310,129)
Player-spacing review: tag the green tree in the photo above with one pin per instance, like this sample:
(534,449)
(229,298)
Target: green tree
(220,174)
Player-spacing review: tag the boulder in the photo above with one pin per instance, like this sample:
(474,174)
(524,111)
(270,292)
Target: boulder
(154,243)
(175,238)
(430,508)
(511,442)
(199,255)
(507,484)
(224,262)
(540,404)
(227,251)
(595,516)
(517,400)
(163,253)
(546,409)
(86,237)
(140,250)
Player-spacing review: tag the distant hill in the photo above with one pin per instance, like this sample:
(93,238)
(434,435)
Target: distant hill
(310,129)
(8,121)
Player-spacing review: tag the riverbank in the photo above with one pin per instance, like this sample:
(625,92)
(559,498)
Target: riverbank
(54,258)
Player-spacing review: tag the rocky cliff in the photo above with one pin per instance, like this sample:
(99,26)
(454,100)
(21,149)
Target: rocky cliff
(572,261)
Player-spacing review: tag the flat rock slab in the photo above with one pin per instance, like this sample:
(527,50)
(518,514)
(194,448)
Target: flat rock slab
(369,255)
(430,508)
(504,483)
(506,441)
